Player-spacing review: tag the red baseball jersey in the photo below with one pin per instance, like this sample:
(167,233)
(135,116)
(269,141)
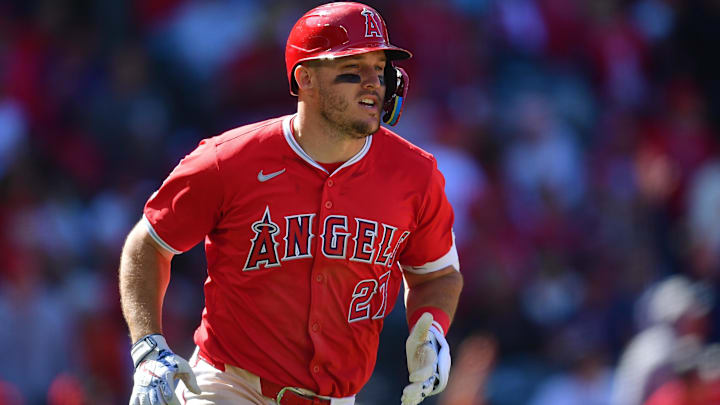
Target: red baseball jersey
(303,265)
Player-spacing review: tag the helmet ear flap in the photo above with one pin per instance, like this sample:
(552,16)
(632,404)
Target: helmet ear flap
(390,74)
(396,82)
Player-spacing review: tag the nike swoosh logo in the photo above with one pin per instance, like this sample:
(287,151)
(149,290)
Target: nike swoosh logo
(265,177)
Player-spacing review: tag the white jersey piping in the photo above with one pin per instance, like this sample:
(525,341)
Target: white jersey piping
(448,259)
(157,237)
(287,131)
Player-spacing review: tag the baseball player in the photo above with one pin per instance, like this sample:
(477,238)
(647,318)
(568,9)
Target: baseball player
(310,222)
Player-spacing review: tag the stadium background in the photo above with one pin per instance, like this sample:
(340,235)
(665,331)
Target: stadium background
(579,140)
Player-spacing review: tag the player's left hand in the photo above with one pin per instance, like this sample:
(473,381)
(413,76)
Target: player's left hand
(428,359)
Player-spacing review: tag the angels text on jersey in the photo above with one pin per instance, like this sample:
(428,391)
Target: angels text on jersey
(371,242)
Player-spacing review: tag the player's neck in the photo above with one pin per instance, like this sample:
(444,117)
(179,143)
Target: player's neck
(321,141)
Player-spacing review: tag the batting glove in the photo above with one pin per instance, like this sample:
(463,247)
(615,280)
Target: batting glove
(156,368)
(428,359)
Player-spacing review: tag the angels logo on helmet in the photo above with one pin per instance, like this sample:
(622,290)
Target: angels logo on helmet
(372,24)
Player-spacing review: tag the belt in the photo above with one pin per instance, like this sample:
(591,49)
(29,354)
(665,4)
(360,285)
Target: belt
(281,394)
(289,395)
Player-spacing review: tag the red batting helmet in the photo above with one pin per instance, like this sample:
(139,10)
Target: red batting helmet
(334,30)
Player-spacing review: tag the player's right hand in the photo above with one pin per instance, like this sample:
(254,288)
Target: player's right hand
(156,369)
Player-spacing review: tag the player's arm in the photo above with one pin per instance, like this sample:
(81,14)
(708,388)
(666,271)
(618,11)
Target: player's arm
(144,277)
(433,283)
(182,211)
(439,289)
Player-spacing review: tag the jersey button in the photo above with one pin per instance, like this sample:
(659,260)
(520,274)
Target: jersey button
(330,183)
(319,278)
(316,369)
(315,327)
(328,204)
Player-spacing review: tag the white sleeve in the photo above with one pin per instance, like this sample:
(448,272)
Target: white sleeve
(448,259)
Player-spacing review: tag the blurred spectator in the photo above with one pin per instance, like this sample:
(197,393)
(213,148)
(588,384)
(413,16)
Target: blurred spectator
(587,382)
(474,360)
(654,18)
(522,25)
(618,53)
(10,395)
(542,164)
(36,336)
(13,127)
(205,34)
(66,390)
(704,221)
(675,311)
(697,381)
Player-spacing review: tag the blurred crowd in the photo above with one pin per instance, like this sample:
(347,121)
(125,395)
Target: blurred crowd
(579,141)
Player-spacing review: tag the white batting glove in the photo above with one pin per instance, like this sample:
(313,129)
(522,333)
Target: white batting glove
(156,369)
(428,358)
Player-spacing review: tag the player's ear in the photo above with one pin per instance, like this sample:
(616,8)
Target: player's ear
(305,77)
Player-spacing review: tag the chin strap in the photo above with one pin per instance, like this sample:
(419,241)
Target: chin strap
(397,84)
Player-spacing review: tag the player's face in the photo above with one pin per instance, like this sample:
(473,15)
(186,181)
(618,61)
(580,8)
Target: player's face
(351,92)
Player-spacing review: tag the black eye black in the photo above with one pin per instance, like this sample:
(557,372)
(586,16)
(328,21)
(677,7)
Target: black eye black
(347,78)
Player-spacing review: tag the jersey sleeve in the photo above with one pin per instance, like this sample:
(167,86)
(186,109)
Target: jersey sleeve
(431,246)
(188,204)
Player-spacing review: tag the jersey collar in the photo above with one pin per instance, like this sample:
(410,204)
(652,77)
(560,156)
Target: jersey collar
(287,131)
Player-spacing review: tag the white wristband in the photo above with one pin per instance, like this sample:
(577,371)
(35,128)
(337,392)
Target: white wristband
(146,345)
